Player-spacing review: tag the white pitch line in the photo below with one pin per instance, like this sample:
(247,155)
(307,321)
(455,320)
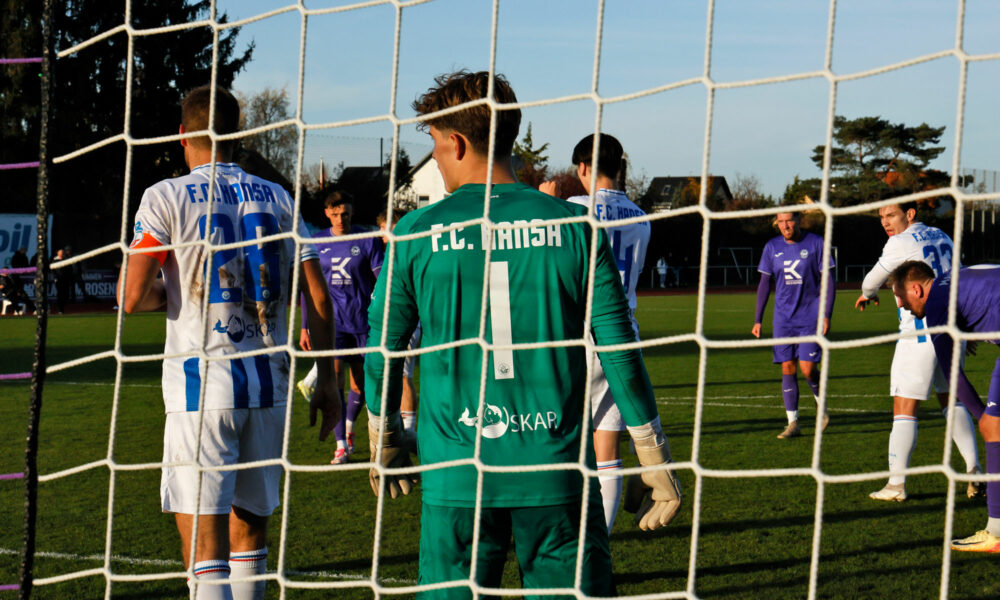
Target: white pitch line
(689,400)
(158,562)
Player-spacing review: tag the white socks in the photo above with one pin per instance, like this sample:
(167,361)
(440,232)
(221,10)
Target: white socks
(793,416)
(247,564)
(610,476)
(902,441)
(964,433)
(208,570)
(311,376)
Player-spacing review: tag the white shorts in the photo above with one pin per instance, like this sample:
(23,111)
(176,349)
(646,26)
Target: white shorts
(915,370)
(229,437)
(603,409)
(410,361)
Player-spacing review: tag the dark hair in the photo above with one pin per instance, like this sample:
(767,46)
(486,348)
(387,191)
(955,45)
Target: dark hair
(338,198)
(194,116)
(905,206)
(461,87)
(397,214)
(911,270)
(610,156)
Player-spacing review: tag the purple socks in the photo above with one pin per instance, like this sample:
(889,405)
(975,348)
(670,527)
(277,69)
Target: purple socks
(993,487)
(790,391)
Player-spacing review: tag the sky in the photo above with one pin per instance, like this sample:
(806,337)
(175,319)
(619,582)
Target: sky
(546,48)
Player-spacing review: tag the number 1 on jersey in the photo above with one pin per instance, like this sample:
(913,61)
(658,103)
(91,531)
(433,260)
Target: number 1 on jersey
(500,326)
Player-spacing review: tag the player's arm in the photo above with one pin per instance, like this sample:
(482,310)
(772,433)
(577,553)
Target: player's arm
(304,342)
(655,496)
(966,394)
(831,295)
(139,290)
(893,255)
(385,433)
(319,308)
(763,293)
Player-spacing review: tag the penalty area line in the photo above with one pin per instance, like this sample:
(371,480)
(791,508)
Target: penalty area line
(712,401)
(159,562)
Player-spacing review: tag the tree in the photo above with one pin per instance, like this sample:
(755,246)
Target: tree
(872,159)
(88,106)
(279,146)
(532,163)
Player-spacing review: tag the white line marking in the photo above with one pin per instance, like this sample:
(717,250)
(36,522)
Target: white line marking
(689,400)
(158,562)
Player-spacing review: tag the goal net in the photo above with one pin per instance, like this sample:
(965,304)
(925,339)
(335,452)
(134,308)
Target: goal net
(691,358)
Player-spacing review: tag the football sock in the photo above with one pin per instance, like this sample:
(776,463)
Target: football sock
(814,384)
(611,488)
(790,391)
(792,415)
(339,430)
(311,376)
(247,564)
(964,433)
(209,570)
(354,403)
(409,420)
(902,441)
(993,487)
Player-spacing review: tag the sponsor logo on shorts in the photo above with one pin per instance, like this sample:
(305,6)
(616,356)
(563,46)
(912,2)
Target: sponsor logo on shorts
(497,421)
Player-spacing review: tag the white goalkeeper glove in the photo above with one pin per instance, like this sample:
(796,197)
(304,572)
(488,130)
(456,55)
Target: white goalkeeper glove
(654,496)
(394,455)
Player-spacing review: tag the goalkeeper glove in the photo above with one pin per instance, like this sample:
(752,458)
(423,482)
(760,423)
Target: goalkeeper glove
(654,496)
(394,455)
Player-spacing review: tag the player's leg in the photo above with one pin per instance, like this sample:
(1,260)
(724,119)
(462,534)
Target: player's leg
(608,425)
(963,431)
(446,549)
(340,431)
(355,398)
(546,540)
(902,441)
(409,400)
(810,370)
(255,497)
(988,540)
(789,390)
(179,490)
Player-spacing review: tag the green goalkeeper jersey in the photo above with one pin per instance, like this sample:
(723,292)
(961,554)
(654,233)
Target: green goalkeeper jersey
(534,400)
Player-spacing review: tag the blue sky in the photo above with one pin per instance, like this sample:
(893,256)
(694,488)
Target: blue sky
(546,49)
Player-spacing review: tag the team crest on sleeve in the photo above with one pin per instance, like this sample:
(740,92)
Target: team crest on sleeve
(137,235)
(355,250)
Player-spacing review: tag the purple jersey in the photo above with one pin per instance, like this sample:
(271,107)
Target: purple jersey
(350,269)
(797,271)
(977,307)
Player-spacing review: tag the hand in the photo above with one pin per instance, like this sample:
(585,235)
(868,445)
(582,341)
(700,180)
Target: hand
(826,325)
(756,330)
(326,400)
(654,496)
(394,455)
(862,302)
(549,187)
(304,340)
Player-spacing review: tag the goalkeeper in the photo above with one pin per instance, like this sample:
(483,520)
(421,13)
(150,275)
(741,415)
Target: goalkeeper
(533,403)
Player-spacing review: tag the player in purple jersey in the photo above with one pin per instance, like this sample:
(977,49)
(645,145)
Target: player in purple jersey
(350,268)
(794,260)
(977,309)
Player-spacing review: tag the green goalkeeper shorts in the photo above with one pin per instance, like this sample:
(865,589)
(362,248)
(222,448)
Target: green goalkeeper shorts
(545,542)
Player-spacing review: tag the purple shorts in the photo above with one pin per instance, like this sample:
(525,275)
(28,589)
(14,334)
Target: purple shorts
(806,351)
(349,341)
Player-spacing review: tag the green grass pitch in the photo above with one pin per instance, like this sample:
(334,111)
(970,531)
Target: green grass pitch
(755,534)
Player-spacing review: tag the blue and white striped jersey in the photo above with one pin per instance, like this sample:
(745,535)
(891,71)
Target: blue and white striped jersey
(246,287)
(628,242)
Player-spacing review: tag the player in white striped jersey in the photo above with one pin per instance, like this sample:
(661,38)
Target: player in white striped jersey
(247,289)
(628,244)
(914,365)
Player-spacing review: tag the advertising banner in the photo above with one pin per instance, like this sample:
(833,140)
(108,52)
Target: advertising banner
(17,230)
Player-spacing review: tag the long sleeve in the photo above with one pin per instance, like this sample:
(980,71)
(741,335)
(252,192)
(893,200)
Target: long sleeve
(943,347)
(874,280)
(763,292)
(399,325)
(831,294)
(625,370)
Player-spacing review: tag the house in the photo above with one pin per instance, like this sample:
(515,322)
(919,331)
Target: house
(664,192)
(426,185)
